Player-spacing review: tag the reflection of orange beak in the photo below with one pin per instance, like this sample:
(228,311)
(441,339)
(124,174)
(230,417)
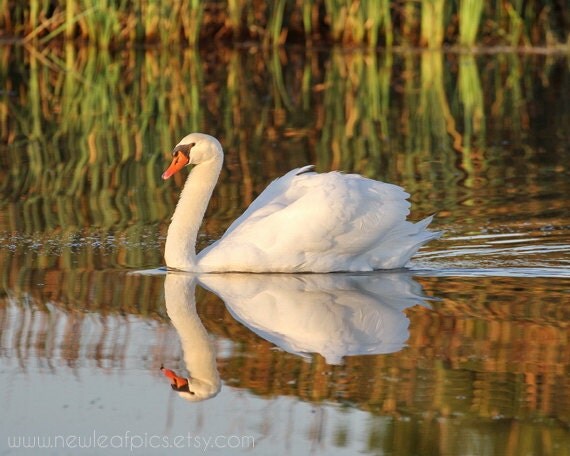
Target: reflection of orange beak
(176,380)
(178,162)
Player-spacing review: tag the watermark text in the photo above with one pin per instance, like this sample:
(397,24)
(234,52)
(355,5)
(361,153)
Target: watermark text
(130,441)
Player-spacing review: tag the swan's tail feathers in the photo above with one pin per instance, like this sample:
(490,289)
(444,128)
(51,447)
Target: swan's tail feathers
(420,236)
(403,242)
(423,224)
(423,234)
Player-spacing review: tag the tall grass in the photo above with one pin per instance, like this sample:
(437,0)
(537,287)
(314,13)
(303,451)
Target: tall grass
(367,23)
(192,13)
(359,21)
(277,32)
(469,20)
(432,23)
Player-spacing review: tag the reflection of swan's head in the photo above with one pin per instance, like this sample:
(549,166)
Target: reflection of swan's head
(191,389)
(199,353)
(194,149)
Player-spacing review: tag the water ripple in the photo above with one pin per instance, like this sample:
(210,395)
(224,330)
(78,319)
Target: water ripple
(493,272)
(514,254)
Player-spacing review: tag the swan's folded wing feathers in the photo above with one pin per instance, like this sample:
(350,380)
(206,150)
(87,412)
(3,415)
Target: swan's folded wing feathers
(265,199)
(313,221)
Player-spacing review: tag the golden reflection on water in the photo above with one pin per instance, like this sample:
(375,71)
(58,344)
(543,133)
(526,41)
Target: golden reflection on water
(474,357)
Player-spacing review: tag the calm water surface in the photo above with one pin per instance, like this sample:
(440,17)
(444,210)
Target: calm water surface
(466,353)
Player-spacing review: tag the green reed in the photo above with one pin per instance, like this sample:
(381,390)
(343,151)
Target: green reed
(308,11)
(235,11)
(432,24)
(469,20)
(104,23)
(370,23)
(359,22)
(275,25)
(192,13)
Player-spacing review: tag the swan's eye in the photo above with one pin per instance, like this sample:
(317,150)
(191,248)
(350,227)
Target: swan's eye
(182,388)
(184,148)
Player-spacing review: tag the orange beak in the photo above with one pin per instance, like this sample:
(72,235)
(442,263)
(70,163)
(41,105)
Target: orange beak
(176,380)
(178,162)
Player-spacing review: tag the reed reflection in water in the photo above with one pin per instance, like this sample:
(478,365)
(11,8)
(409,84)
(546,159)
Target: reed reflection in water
(88,133)
(480,140)
(477,363)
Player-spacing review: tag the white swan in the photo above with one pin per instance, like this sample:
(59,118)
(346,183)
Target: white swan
(302,222)
(335,315)
(199,354)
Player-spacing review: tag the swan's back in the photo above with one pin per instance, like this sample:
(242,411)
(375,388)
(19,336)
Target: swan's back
(313,222)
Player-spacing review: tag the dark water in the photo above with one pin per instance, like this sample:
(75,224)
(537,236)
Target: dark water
(466,353)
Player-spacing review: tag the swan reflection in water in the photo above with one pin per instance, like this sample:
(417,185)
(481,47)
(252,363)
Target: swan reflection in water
(199,353)
(335,315)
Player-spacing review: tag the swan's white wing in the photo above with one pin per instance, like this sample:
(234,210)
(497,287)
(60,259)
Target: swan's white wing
(273,191)
(318,222)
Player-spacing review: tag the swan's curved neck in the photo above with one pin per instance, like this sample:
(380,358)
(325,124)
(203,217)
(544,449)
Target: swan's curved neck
(180,249)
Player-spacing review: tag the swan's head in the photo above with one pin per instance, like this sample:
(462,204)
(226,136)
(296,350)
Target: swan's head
(191,389)
(194,149)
